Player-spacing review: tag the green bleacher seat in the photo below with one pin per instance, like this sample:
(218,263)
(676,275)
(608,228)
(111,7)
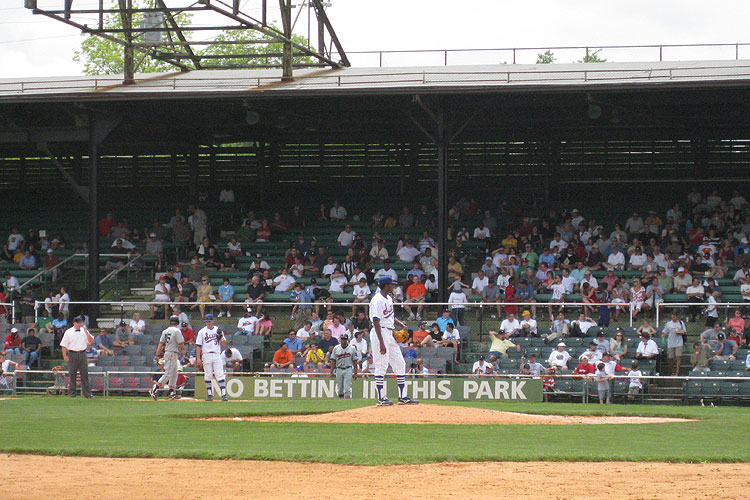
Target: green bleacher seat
(729,388)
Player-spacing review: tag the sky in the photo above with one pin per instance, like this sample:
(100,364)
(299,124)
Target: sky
(33,46)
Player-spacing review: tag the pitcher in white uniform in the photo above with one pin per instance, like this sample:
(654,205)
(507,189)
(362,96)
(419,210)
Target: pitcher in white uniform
(208,346)
(385,349)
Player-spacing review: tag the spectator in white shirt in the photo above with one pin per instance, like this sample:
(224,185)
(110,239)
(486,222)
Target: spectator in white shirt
(616,259)
(528,325)
(558,296)
(510,325)
(379,252)
(407,253)
(568,281)
(638,259)
(588,278)
(480,283)
(482,232)
(15,239)
(346,237)
(481,367)
(386,271)
(361,294)
(647,348)
(284,282)
(559,357)
(137,325)
(338,282)
(337,211)
(557,244)
(226,195)
(246,324)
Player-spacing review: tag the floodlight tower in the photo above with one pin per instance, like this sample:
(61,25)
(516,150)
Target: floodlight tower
(162,35)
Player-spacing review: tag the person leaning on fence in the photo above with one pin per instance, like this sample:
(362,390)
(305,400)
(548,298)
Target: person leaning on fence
(701,357)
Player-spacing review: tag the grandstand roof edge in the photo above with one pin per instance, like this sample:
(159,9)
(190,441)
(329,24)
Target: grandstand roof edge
(357,81)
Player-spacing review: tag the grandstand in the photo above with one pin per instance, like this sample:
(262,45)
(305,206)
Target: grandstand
(519,141)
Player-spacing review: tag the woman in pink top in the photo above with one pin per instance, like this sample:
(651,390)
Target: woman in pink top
(736,327)
(264,326)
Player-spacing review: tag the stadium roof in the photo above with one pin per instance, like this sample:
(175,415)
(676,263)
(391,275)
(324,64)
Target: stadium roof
(346,81)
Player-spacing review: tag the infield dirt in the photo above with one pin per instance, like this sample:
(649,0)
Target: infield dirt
(64,478)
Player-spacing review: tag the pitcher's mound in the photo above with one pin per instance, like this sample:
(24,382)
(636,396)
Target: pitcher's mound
(441,414)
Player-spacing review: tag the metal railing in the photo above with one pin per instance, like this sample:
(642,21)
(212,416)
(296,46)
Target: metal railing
(702,305)
(131,305)
(582,52)
(44,272)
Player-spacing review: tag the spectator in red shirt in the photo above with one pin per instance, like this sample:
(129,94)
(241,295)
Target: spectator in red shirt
(106,224)
(13,343)
(584,368)
(187,333)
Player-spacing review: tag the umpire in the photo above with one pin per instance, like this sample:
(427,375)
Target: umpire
(74,343)
(343,361)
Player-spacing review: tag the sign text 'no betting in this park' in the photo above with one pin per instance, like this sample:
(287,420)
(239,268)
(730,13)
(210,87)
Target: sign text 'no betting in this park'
(452,389)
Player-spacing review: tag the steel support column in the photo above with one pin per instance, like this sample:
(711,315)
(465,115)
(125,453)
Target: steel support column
(93,199)
(440,132)
(441,143)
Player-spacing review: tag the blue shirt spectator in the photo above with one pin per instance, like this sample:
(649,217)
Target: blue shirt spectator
(59,323)
(548,258)
(443,321)
(293,343)
(28,261)
(103,341)
(226,292)
(524,292)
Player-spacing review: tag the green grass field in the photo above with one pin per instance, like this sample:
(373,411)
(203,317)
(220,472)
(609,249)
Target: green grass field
(124,427)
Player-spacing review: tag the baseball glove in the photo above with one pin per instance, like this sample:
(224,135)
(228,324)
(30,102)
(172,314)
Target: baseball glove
(401,336)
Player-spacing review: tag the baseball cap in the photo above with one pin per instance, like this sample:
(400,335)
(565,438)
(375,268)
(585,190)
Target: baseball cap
(152,235)
(49,250)
(385,280)
(562,344)
(525,313)
(681,269)
(259,255)
(344,337)
(208,317)
(14,330)
(481,356)
(174,320)
(720,336)
(184,323)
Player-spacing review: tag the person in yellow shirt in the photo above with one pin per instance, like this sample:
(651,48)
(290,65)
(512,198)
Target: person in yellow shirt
(500,345)
(314,357)
(510,241)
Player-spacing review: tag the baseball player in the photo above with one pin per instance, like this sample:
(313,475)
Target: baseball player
(208,345)
(385,349)
(171,344)
(343,361)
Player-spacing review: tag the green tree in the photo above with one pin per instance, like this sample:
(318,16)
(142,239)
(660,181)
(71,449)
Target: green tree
(105,57)
(250,48)
(547,57)
(592,57)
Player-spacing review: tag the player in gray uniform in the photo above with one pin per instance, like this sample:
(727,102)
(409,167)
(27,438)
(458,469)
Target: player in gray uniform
(343,362)
(171,344)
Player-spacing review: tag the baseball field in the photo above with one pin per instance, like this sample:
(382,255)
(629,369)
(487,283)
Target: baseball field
(138,448)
